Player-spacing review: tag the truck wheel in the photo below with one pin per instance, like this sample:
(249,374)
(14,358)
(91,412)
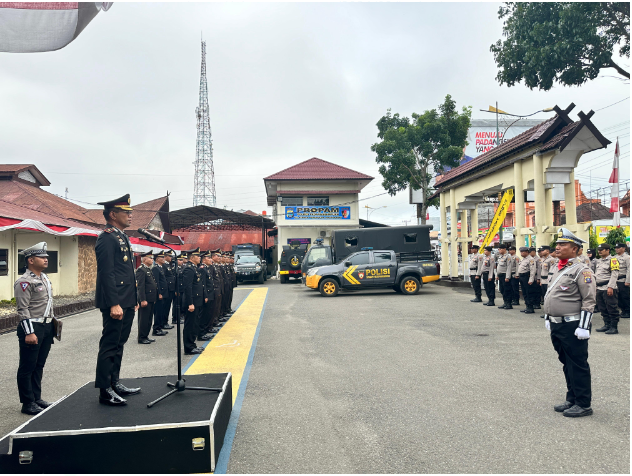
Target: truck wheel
(260,279)
(328,287)
(283,279)
(409,285)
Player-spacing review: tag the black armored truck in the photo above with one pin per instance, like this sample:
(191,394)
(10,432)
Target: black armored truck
(291,261)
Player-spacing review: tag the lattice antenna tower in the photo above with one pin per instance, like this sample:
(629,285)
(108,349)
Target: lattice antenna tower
(204,180)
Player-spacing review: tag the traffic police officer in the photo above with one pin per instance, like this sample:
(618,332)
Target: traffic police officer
(476,261)
(194,295)
(503,276)
(160,320)
(34,298)
(623,283)
(568,309)
(515,278)
(116,297)
(606,275)
(170,275)
(526,271)
(487,275)
(147,290)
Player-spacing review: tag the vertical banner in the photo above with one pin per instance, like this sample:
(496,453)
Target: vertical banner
(497,221)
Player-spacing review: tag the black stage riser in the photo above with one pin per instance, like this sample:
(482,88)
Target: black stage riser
(143,447)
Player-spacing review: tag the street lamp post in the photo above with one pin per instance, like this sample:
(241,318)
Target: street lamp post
(497,111)
(368,214)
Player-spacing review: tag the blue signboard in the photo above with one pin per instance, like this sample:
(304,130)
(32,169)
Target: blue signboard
(317,213)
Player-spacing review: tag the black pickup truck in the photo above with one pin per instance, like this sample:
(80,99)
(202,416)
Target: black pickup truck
(369,269)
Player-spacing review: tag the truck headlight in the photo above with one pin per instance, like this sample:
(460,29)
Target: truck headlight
(257,267)
(312,272)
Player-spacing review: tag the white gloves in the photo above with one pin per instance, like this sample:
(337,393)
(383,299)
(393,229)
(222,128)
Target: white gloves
(582,333)
(547,324)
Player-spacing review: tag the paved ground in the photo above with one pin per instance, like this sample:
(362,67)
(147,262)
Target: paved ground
(379,382)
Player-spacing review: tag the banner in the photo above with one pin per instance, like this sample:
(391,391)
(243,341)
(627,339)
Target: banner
(602,232)
(317,213)
(497,221)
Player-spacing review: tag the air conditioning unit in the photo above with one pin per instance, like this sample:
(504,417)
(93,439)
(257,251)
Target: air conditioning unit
(322,233)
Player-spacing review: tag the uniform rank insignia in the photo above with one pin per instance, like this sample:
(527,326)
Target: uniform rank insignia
(614,264)
(125,258)
(564,288)
(24,286)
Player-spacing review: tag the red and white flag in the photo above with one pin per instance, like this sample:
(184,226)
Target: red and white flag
(614,191)
(33,27)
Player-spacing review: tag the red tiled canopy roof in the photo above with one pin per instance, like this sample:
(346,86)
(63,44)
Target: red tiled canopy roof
(318,169)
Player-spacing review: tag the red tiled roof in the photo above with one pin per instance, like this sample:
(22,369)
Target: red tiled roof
(15,169)
(142,216)
(17,212)
(315,192)
(560,136)
(34,198)
(528,137)
(318,169)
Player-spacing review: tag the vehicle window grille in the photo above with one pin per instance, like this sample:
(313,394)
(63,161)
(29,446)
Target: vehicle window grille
(410,237)
(351,241)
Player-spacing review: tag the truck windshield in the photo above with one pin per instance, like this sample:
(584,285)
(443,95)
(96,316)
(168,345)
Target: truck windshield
(315,254)
(248,259)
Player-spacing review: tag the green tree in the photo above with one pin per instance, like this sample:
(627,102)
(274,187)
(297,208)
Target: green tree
(412,150)
(616,235)
(563,42)
(592,239)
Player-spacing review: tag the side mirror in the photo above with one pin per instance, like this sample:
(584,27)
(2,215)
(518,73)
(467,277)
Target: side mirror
(347,263)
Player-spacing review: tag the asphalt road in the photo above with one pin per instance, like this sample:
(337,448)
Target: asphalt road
(383,383)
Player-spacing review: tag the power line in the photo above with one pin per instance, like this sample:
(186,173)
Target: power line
(606,107)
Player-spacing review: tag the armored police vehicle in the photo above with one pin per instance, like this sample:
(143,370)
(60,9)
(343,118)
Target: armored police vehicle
(291,260)
(405,273)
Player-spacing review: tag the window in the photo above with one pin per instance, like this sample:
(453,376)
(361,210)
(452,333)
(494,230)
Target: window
(351,241)
(410,237)
(360,258)
(4,262)
(292,201)
(316,254)
(52,263)
(318,201)
(382,257)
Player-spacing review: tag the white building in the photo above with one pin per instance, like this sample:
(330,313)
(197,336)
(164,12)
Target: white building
(313,198)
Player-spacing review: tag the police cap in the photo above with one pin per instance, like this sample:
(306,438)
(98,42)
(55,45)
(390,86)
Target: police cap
(38,250)
(620,245)
(532,249)
(502,246)
(122,202)
(489,248)
(195,252)
(604,246)
(545,248)
(160,254)
(512,247)
(475,246)
(565,236)
(149,253)
(183,255)
(590,250)
(524,248)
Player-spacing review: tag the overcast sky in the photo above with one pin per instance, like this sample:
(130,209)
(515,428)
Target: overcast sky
(113,112)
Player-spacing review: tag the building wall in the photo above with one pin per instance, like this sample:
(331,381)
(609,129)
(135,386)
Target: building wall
(86,264)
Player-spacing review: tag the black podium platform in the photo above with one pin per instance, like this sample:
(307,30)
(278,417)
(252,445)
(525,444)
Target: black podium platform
(182,434)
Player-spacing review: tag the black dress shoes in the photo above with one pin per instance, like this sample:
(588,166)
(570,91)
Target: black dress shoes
(528,310)
(109,397)
(476,300)
(204,338)
(502,307)
(537,306)
(43,403)
(563,406)
(159,333)
(612,330)
(197,350)
(507,306)
(577,411)
(515,303)
(167,326)
(603,329)
(122,390)
(31,408)
(145,341)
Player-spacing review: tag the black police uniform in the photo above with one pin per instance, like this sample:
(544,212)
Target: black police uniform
(193,294)
(218,286)
(206,315)
(159,309)
(116,285)
(170,276)
(147,291)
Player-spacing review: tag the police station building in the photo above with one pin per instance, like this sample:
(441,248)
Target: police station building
(313,198)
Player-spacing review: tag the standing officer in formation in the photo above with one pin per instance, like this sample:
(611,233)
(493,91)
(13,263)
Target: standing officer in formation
(623,283)
(591,255)
(34,298)
(548,262)
(568,309)
(218,286)
(537,290)
(582,257)
(606,275)
(206,316)
(147,290)
(160,320)
(194,294)
(116,297)
(487,275)
(169,266)
(526,271)
(476,261)
(504,272)
(182,259)
(515,278)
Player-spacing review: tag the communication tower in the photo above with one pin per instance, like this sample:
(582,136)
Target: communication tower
(204,180)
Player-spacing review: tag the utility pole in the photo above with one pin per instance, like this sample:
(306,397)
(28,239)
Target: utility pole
(204,179)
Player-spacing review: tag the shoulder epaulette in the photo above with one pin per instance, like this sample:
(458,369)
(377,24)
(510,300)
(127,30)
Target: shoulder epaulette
(109,229)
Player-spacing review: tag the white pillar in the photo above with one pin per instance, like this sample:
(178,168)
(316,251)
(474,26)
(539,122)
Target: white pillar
(474,219)
(540,208)
(445,271)
(548,202)
(570,201)
(454,254)
(519,217)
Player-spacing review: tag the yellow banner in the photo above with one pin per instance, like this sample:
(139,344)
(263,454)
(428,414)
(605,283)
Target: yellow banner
(499,218)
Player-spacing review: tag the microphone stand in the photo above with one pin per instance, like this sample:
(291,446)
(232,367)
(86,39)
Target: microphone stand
(180,385)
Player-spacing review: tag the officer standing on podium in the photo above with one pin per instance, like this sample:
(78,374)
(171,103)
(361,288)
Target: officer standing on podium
(117,299)
(568,310)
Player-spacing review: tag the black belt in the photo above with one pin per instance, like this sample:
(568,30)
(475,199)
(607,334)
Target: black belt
(601,283)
